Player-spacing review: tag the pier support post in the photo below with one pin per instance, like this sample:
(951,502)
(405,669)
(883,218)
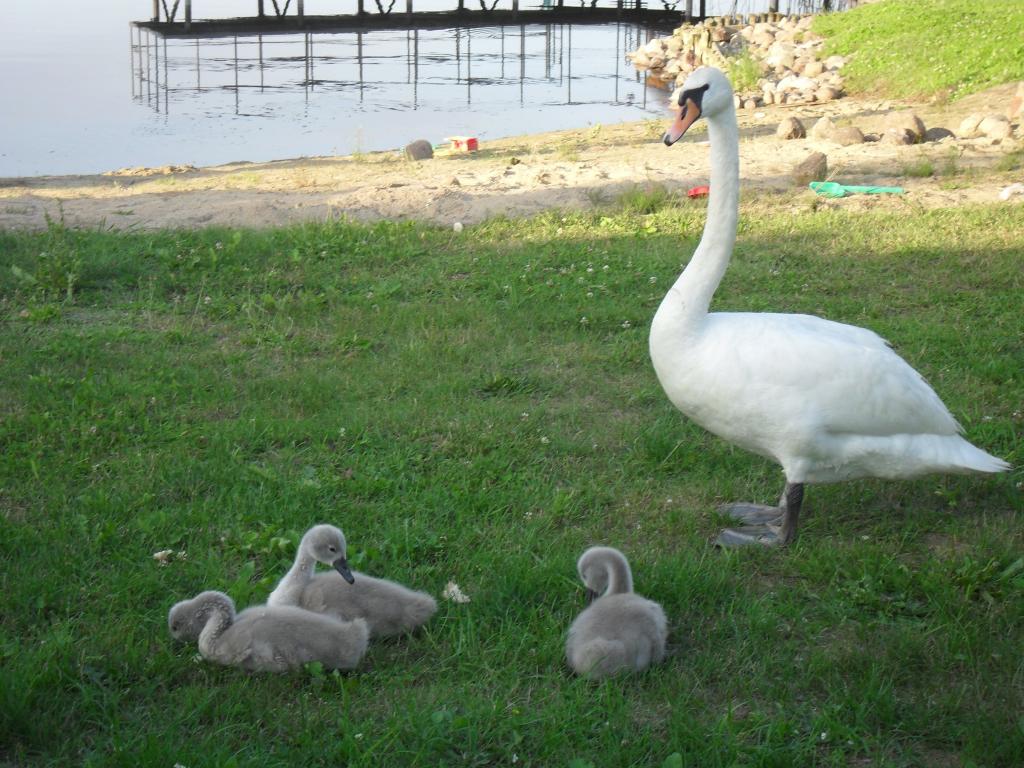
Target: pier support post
(773,6)
(188,15)
(301,11)
(156,10)
(259,8)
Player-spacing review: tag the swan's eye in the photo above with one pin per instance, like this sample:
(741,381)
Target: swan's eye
(174,627)
(333,549)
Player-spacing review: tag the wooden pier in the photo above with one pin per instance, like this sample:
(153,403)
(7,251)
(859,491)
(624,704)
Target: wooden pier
(272,16)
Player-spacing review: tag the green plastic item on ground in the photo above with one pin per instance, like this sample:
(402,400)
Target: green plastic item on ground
(833,189)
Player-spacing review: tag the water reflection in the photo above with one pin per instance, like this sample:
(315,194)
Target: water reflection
(492,67)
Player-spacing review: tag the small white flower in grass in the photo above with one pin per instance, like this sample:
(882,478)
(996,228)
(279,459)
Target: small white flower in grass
(824,736)
(358,736)
(625,324)
(207,300)
(457,226)
(163,556)
(590,269)
(590,294)
(515,758)
(652,279)
(545,440)
(454,593)
(583,320)
(605,267)
(524,415)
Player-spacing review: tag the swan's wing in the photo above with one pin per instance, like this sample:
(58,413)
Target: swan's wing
(846,379)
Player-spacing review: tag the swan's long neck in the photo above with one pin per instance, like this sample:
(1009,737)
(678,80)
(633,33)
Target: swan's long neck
(289,590)
(220,615)
(686,304)
(620,578)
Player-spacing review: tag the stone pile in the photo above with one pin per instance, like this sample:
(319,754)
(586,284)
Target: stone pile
(783,48)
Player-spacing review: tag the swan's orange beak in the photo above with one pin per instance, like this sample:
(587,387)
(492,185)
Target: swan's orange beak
(689,111)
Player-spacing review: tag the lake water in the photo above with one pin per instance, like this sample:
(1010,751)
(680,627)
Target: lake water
(82,93)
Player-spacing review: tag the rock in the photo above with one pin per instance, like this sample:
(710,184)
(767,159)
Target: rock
(827,93)
(835,62)
(1016,108)
(898,136)
(640,60)
(847,135)
(790,128)
(785,61)
(813,168)
(906,120)
(750,104)
(419,150)
(823,129)
(969,126)
(996,127)
(937,134)
(813,68)
(795,83)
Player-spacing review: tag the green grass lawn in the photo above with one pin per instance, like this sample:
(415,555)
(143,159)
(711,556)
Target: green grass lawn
(479,408)
(928,48)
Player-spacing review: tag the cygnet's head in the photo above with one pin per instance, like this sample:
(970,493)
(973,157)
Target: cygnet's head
(326,544)
(187,618)
(706,93)
(595,568)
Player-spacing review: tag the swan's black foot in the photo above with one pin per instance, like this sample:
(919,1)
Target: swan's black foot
(766,526)
(750,535)
(755,514)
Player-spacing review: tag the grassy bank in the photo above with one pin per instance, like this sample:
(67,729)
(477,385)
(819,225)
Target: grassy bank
(928,48)
(479,408)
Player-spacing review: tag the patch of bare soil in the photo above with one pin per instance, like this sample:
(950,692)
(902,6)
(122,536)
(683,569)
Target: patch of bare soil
(528,174)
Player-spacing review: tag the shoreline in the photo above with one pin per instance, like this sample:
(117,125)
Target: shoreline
(520,176)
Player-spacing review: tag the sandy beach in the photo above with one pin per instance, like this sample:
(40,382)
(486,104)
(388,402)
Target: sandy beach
(525,175)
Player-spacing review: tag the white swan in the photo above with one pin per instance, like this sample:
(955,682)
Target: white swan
(264,638)
(620,631)
(387,607)
(825,400)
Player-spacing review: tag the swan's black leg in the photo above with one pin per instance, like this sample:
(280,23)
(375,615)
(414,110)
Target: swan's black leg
(767,526)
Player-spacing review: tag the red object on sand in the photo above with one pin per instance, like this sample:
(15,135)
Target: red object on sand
(464,143)
(698,192)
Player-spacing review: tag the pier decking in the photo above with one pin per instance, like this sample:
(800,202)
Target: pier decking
(388,14)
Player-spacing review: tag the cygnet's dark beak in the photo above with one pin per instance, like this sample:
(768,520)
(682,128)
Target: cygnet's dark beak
(689,112)
(591,596)
(341,566)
